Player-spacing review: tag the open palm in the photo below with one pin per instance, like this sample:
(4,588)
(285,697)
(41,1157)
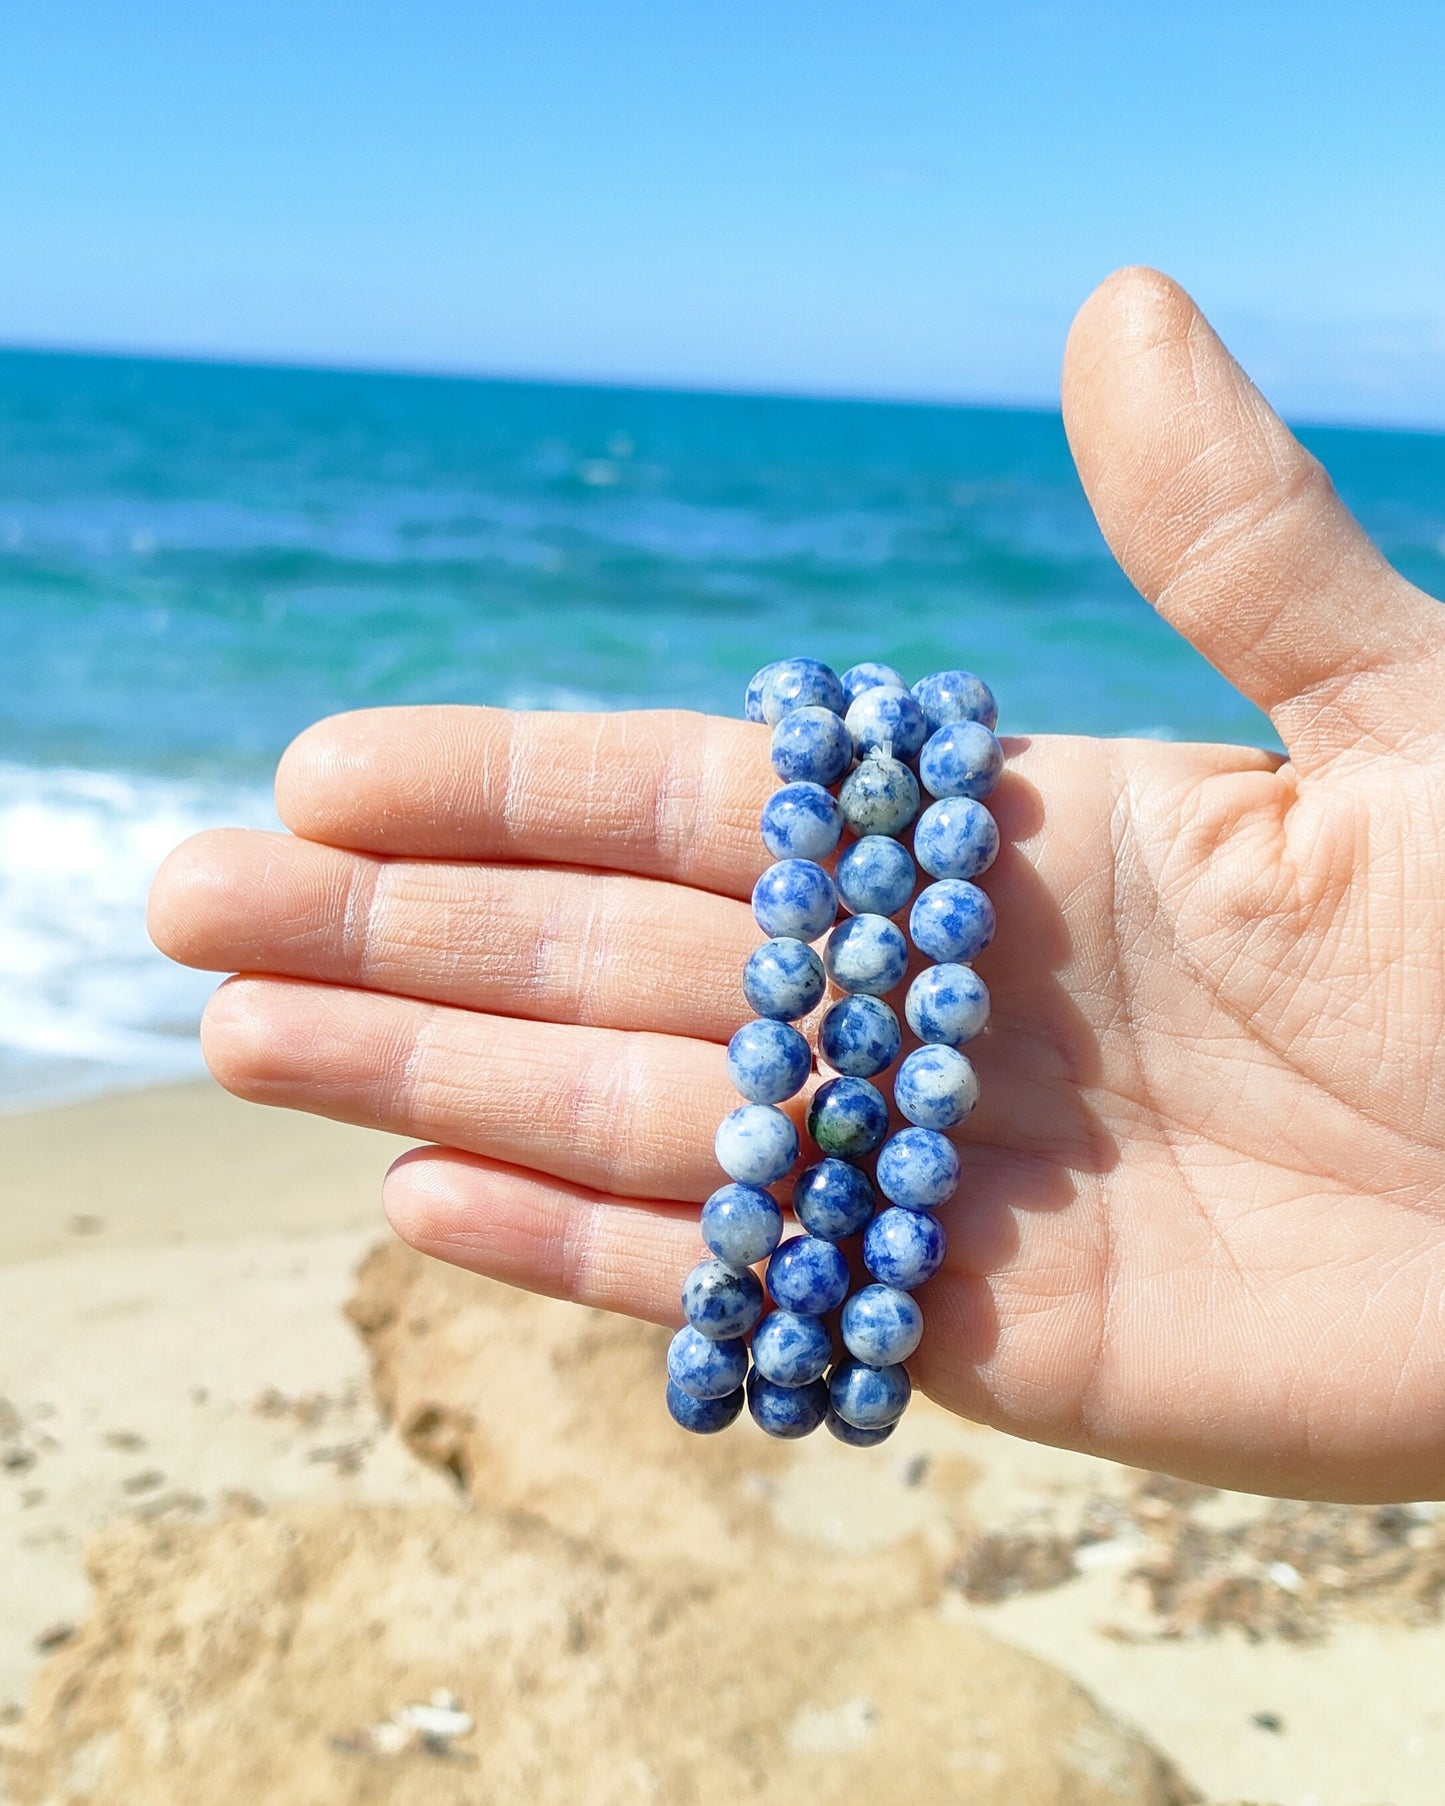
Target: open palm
(1202,1222)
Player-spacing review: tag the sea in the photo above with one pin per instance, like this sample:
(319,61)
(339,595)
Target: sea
(196,560)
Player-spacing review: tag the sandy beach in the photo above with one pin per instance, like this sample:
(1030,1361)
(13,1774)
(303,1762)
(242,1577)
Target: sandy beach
(232,1409)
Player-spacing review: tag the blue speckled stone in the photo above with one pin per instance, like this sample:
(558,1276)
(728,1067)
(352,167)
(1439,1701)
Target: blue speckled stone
(876,876)
(887,719)
(848,1118)
(756,1144)
(952,920)
(955,696)
(704,1369)
(904,1247)
(811,746)
(790,1349)
(869,1398)
(786,1411)
(917,1169)
(955,838)
(795,900)
(753,695)
(947,1004)
(741,1224)
(768,1061)
(866,953)
(833,1199)
(802,821)
(808,1275)
(855,1438)
(784,979)
(936,1087)
(720,1301)
(860,1036)
(880,797)
(800,683)
(961,759)
(881,1325)
(703,1416)
(870,675)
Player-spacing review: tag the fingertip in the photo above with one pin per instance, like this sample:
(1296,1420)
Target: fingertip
(191,882)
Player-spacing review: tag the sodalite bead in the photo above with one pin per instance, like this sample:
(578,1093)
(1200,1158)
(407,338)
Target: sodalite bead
(961,759)
(904,1247)
(880,796)
(860,1036)
(768,1061)
(855,1438)
(703,1416)
(881,1325)
(800,683)
(869,1398)
(786,1411)
(917,1169)
(802,821)
(753,695)
(808,1275)
(870,675)
(866,953)
(936,1087)
(811,746)
(720,1302)
(790,1349)
(955,696)
(756,1144)
(947,1004)
(952,920)
(887,718)
(704,1369)
(795,900)
(876,876)
(848,1117)
(784,980)
(955,838)
(833,1200)
(742,1224)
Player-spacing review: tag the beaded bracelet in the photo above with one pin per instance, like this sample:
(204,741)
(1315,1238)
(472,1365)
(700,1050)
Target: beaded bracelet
(852,752)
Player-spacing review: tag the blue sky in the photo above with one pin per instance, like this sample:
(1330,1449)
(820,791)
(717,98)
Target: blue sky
(821,196)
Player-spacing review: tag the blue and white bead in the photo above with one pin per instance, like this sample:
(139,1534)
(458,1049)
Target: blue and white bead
(833,1199)
(886,719)
(936,1087)
(768,1061)
(703,1416)
(787,1412)
(869,675)
(800,683)
(917,1169)
(756,1144)
(848,1118)
(704,1369)
(811,746)
(790,1349)
(795,900)
(952,921)
(869,1398)
(802,821)
(903,1248)
(876,876)
(955,838)
(784,979)
(753,695)
(955,696)
(742,1224)
(866,953)
(808,1275)
(853,1437)
(881,1326)
(860,1036)
(947,1004)
(881,796)
(720,1302)
(961,759)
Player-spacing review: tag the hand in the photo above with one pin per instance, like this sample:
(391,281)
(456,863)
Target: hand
(1202,1223)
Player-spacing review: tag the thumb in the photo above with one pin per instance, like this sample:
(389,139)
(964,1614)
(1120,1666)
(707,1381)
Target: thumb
(1235,534)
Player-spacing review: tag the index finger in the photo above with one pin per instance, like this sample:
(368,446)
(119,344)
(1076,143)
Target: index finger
(663,792)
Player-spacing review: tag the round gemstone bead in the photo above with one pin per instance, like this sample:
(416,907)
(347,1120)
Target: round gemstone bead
(869,1398)
(881,1325)
(855,1438)
(833,1200)
(876,876)
(955,838)
(952,920)
(848,1117)
(866,953)
(811,746)
(790,1349)
(800,683)
(880,796)
(936,1087)
(784,980)
(768,1061)
(703,1416)
(917,1169)
(795,900)
(870,675)
(741,1224)
(904,1247)
(887,718)
(753,695)
(704,1369)
(808,1275)
(802,821)
(955,696)
(721,1302)
(786,1411)
(756,1144)
(961,759)
(947,1004)
(860,1036)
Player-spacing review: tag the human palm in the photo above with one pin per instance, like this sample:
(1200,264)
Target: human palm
(1203,1203)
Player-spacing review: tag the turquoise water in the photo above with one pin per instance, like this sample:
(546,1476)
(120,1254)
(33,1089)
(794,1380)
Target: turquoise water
(197,560)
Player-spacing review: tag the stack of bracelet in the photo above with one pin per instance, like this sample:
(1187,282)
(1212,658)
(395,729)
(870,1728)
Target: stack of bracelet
(847,750)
